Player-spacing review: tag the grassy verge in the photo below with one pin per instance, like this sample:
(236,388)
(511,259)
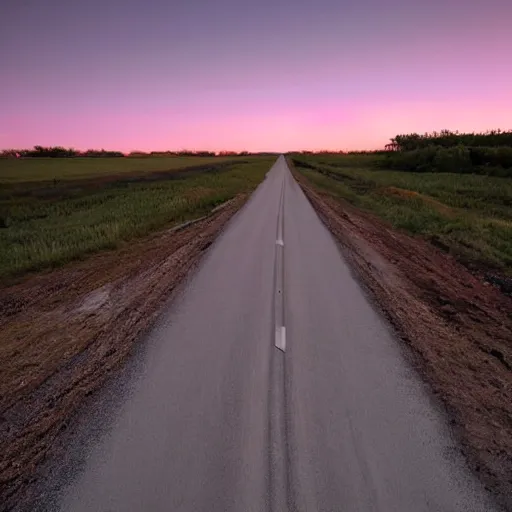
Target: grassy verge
(467,215)
(46,230)
(14,170)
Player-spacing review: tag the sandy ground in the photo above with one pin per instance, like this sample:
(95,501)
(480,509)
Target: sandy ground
(459,328)
(64,332)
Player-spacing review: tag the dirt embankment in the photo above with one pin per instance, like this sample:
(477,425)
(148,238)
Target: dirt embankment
(63,332)
(460,329)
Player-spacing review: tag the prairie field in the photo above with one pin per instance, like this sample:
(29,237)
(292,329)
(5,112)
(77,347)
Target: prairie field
(16,170)
(56,210)
(468,215)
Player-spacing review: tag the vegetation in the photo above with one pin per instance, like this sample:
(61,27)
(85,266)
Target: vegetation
(461,159)
(37,169)
(448,139)
(44,224)
(468,215)
(57,152)
(487,153)
(61,152)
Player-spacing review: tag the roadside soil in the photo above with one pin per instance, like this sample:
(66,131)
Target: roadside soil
(458,327)
(64,332)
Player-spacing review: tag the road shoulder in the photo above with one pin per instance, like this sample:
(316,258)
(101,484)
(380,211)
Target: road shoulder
(459,329)
(65,332)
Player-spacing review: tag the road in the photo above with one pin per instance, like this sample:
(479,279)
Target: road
(273,384)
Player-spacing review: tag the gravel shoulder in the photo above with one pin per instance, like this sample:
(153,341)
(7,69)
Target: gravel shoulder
(458,327)
(64,332)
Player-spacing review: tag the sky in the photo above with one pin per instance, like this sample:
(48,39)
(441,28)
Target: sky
(265,75)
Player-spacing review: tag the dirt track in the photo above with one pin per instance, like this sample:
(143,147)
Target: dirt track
(63,332)
(460,329)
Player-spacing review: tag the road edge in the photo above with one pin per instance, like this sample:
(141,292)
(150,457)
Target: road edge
(397,294)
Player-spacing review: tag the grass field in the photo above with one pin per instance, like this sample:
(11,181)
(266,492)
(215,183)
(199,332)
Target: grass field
(47,227)
(14,170)
(468,215)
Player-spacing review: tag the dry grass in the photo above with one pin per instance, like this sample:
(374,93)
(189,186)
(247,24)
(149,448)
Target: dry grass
(469,215)
(14,170)
(46,226)
(458,328)
(63,332)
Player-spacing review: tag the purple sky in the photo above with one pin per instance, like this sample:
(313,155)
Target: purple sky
(265,75)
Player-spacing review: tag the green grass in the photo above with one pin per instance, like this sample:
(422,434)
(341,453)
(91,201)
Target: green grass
(470,215)
(44,232)
(14,170)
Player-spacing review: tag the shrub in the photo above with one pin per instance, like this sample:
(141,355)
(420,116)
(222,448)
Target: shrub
(458,159)
(455,159)
(449,139)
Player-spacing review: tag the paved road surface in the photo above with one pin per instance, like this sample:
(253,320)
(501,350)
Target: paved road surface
(223,420)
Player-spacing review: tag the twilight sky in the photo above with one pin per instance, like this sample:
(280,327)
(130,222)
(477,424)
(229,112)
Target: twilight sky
(262,75)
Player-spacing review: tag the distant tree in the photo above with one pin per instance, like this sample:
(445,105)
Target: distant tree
(138,154)
(204,153)
(11,153)
(101,153)
(163,153)
(449,139)
(52,152)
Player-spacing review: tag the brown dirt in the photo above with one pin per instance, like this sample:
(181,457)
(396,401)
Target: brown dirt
(63,332)
(460,329)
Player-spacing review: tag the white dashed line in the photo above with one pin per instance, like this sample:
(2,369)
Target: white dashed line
(280,331)
(280,341)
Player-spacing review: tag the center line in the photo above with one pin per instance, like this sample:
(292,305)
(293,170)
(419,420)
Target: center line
(280,331)
(280,341)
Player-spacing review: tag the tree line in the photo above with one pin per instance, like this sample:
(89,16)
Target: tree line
(61,152)
(480,153)
(449,139)
(57,152)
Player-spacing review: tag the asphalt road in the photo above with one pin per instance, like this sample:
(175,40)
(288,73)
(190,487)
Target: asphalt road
(273,384)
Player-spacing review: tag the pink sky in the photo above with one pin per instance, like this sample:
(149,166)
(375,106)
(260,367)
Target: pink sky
(279,77)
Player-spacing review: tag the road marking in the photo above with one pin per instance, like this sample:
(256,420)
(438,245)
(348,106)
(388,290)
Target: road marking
(280,341)
(280,331)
